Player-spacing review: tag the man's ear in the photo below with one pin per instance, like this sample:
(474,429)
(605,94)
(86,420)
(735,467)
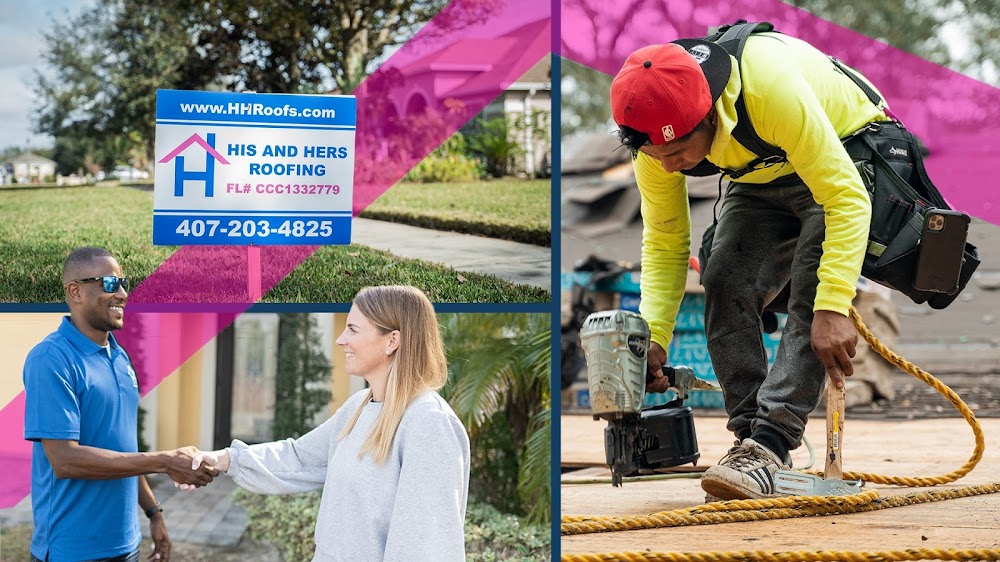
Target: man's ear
(74,293)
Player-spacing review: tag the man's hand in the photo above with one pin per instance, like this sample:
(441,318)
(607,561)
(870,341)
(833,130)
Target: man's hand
(656,358)
(834,340)
(161,542)
(219,460)
(182,470)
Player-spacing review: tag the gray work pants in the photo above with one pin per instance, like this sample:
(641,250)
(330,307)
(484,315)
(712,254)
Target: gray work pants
(767,236)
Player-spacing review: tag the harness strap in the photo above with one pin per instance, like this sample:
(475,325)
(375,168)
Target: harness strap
(850,73)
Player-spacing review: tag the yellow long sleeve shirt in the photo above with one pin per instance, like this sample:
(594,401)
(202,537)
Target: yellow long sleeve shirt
(799,101)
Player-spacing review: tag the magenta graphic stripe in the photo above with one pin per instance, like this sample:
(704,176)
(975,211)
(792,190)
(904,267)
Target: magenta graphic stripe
(15,454)
(158,344)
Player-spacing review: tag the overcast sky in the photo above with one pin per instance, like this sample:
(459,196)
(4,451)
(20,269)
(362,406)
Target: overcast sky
(21,25)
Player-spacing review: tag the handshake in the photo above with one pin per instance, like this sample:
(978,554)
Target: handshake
(191,468)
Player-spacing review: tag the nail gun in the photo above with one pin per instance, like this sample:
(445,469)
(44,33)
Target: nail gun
(636,440)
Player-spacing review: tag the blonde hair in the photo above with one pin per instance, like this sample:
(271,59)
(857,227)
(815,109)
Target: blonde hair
(417,365)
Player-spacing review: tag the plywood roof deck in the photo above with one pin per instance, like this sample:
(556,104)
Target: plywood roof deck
(899,448)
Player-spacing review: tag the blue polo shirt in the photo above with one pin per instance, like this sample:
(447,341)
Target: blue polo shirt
(79,391)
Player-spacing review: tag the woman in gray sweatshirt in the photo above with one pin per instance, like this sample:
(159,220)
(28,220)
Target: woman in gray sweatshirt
(393,461)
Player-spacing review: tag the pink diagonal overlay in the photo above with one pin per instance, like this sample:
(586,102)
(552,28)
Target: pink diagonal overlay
(158,344)
(15,454)
(458,63)
(956,116)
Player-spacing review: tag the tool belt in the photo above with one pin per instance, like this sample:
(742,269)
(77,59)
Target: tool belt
(890,161)
(891,165)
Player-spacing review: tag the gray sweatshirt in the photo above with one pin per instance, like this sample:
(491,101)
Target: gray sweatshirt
(410,508)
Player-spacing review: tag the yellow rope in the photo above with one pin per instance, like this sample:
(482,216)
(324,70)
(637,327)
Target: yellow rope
(798,556)
(943,389)
(803,506)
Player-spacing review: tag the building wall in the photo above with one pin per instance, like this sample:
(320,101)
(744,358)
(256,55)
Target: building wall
(181,410)
(19,332)
(27,170)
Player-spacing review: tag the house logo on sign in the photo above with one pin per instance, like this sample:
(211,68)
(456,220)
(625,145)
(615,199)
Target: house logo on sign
(182,174)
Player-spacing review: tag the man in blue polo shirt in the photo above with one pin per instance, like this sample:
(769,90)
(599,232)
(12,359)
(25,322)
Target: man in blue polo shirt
(82,401)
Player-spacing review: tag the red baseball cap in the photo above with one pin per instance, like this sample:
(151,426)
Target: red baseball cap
(666,90)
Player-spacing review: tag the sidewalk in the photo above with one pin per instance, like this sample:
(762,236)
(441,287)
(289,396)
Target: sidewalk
(207,516)
(524,264)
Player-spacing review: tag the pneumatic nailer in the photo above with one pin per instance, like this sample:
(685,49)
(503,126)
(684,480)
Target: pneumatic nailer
(636,440)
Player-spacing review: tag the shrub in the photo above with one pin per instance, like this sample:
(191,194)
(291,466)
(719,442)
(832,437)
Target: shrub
(493,141)
(495,466)
(289,523)
(451,168)
(302,369)
(491,535)
(448,163)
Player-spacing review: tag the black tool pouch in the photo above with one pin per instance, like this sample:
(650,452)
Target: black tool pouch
(891,165)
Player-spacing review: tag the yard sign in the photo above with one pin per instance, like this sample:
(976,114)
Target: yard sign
(260,169)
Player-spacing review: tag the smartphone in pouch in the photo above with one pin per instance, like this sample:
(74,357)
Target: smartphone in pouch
(942,250)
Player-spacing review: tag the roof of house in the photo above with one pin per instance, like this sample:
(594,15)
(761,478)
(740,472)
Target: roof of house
(497,55)
(30,158)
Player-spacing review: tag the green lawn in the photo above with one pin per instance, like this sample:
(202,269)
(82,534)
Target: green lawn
(39,227)
(15,542)
(516,210)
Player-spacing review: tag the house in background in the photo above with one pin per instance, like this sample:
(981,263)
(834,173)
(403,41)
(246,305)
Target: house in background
(443,82)
(29,167)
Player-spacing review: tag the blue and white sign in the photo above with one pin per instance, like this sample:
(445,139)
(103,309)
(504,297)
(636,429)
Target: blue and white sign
(262,169)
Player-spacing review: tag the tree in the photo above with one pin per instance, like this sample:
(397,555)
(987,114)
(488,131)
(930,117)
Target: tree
(930,29)
(499,370)
(302,369)
(918,27)
(586,100)
(106,67)
(107,63)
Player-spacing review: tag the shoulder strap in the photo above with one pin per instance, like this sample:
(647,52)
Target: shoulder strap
(733,38)
(850,73)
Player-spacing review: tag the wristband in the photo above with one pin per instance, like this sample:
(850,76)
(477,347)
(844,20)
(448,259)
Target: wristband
(153,511)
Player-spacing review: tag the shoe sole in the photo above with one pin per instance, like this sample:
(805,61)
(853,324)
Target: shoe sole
(724,490)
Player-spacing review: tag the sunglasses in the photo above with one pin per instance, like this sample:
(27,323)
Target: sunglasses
(110,283)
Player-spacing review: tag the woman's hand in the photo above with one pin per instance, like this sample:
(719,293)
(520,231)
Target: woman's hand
(219,460)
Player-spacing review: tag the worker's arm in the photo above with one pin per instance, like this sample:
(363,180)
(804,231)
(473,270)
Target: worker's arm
(666,245)
(69,459)
(798,123)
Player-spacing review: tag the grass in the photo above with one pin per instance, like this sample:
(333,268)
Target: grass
(336,273)
(509,209)
(15,542)
(39,227)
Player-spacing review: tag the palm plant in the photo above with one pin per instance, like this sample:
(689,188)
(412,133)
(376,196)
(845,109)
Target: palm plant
(499,371)
(493,140)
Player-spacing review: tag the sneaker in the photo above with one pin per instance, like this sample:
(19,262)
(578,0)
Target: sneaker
(746,472)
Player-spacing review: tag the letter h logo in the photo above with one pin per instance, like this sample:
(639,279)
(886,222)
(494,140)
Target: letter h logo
(181,174)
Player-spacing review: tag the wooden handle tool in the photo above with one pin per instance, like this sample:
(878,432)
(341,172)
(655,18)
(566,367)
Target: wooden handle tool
(835,406)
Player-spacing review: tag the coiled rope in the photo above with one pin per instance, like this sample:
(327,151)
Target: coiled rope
(803,506)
